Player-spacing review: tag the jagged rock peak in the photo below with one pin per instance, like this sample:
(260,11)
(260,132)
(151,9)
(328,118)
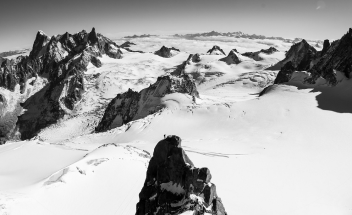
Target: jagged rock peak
(62,61)
(173,184)
(326,46)
(285,73)
(232,57)
(269,50)
(216,50)
(92,37)
(167,52)
(131,105)
(302,55)
(40,41)
(337,58)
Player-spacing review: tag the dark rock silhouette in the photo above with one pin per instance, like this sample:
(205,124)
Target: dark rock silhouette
(216,50)
(326,46)
(174,185)
(285,73)
(232,57)
(166,52)
(133,105)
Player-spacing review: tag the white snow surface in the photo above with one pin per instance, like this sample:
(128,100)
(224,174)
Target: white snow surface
(287,152)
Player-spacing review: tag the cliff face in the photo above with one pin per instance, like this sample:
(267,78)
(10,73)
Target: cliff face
(338,57)
(285,73)
(62,60)
(232,58)
(334,57)
(133,105)
(174,185)
(302,55)
(167,52)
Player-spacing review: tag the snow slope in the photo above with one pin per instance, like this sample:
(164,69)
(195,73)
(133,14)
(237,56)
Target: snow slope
(287,152)
(70,181)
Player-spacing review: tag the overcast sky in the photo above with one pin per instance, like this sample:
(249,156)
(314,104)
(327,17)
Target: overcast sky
(310,19)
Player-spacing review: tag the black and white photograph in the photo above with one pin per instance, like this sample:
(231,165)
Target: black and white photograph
(176,107)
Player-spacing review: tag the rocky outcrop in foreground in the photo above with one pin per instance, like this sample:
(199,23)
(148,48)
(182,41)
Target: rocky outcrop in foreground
(216,50)
(174,185)
(167,52)
(232,57)
(132,105)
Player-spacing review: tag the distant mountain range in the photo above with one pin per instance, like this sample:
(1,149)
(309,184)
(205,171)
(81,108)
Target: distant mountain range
(239,34)
(139,36)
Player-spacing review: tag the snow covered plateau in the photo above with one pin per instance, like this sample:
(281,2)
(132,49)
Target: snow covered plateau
(272,149)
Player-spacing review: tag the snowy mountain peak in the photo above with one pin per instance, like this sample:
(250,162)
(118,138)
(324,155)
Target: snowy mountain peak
(337,57)
(302,56)
(216,50)
(61,60)
(232,57)
(41,32)
(167,52)
(132,105)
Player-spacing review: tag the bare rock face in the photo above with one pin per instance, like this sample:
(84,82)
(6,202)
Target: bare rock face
(232,57)
(173,184)
(337,57)
(62,60)
(127,44)
(255,55)
(216,50)
(167,52)
(285,73)
(334,57)
(270,50)
(195,58)
(133,105)
(39,46)
(326,46)
(302,55)
(180,69)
